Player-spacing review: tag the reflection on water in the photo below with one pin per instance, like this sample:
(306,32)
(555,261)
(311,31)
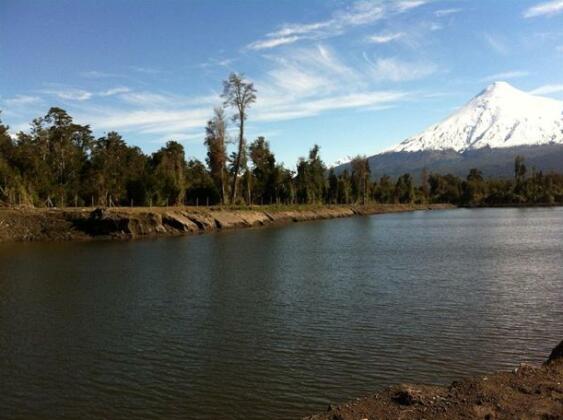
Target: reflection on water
(277,322)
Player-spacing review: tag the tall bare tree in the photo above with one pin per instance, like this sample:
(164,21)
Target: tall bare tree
(238,94)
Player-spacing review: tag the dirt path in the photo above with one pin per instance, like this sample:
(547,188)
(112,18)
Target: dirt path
(528,392)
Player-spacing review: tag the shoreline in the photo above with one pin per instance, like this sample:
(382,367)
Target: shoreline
(527,392)
(40,224)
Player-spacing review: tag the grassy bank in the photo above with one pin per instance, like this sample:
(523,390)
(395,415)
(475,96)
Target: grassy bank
(32,224)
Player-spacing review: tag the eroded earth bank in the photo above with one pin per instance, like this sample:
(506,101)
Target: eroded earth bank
(527,392)
(29,224)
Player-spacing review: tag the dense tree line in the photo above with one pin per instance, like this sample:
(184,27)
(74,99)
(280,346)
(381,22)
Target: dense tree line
(60,163)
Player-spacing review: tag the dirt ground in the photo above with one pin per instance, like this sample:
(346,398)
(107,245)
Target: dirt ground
(34,224)
(527,392)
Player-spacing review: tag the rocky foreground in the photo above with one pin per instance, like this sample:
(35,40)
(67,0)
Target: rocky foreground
(30,224)
(528,392)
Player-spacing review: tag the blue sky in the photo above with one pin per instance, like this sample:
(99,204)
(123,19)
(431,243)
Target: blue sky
(355,77)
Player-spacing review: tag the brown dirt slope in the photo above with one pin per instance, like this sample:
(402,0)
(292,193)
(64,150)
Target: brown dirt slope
(26,224)
(528,392)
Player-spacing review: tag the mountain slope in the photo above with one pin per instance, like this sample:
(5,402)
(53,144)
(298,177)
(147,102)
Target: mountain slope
(487,133)
(501,116)
(498,163)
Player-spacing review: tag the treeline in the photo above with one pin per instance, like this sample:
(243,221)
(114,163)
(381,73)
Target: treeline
(60,163)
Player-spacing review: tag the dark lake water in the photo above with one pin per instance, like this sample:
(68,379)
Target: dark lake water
(275,322)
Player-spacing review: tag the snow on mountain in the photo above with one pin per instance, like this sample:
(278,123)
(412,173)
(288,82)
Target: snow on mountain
(500,116)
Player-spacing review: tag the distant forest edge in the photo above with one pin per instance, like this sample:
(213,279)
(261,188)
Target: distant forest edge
(493,162)
(59,163)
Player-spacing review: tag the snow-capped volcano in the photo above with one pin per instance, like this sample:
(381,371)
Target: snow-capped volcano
(501,116)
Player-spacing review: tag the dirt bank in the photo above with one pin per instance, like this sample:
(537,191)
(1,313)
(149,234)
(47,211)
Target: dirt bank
(28,224)
(528,392)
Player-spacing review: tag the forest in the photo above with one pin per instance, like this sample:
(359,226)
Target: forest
(60,163)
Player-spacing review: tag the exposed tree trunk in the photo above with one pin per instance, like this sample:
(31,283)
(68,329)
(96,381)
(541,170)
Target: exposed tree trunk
(239,155)
(223,186)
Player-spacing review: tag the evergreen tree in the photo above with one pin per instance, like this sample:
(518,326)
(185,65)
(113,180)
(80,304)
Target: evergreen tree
(264,171)
(169,165)
(360,175)
(215,140)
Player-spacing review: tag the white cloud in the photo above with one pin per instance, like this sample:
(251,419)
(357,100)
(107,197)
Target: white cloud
(547,89)
(217,62)
(405,5)
(13,130)
(150,120)
(446,12)
(496,43)
(304,72)
(385,38)
(513,74)
(95,74)
(298,83)
(147,70)
(145,98)
(147,112)
(545,9)
(310,81)
(115,91)
(22,100)
(82,95)
(272,42)
(70,94)
(164,100)
(313,107)
(396,70)
(360,13)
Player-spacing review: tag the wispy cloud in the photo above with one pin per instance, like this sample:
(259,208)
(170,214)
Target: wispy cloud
(294,83)
(304,71)
(272,42)
(309,81)
(396,70)
(359,13)
(164,121)
(22,100)
(145,112)
(545,9)
(446,12)
(80,95)
(147,70)
(114,91)
(496,43)
(385,37)
(162,99)
(69,94)
(513,74)
(405,5)
(302,109)
(217,62)
(298,83)
(547,89)
(95,74)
